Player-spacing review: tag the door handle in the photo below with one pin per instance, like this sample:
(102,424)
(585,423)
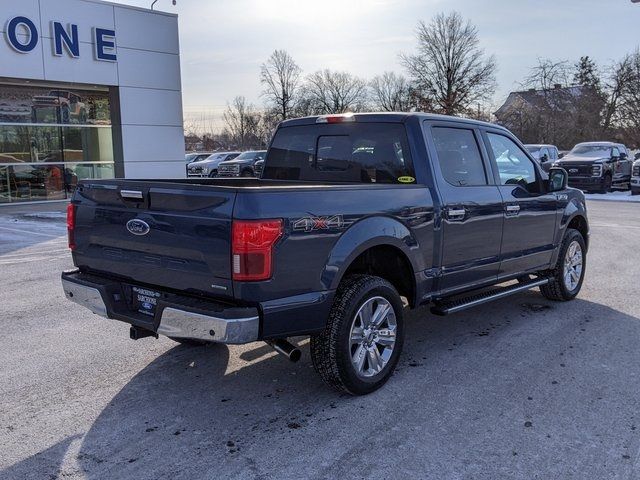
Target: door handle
(454,214)
(513,209)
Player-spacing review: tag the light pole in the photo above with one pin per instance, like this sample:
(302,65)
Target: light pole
(174,2)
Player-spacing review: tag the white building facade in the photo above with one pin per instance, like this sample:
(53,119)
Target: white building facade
(88,89)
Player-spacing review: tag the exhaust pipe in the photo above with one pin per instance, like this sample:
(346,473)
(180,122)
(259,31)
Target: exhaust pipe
(285,348)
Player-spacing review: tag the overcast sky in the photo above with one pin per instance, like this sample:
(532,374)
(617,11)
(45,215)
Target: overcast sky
(223,43)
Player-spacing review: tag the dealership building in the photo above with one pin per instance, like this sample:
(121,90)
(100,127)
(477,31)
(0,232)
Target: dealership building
(88,89)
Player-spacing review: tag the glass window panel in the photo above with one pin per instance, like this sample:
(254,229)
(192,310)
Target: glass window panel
(34,143)
(87,144)
(514,166)
(37,104)
(459,157)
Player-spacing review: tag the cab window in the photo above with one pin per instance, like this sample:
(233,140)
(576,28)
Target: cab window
(350,153)
(514,166)
(459,157)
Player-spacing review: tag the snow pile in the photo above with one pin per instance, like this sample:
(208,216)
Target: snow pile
(614,197)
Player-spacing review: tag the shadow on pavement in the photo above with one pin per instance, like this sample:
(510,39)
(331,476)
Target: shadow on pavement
(477,395)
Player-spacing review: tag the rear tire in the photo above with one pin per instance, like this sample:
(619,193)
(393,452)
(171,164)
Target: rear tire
(362,342)
(566,279)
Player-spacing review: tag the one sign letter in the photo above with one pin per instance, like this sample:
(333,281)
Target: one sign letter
(105,44)
(61,36)
(12,34)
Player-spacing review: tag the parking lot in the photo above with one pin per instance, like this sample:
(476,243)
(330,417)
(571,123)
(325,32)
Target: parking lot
(521,388)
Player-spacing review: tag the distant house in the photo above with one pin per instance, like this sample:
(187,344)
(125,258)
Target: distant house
(540,116)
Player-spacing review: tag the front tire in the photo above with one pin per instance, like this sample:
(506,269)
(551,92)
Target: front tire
(606,186)
(568,274)
(362,342)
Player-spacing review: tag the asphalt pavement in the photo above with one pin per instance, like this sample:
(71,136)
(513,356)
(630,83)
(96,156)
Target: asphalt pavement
(522,388)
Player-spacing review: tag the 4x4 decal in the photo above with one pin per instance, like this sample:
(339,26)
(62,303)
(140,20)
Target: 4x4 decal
(309,224)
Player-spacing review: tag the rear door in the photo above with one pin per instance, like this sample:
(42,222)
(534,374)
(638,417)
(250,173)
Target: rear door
(530,212)
(169,235)
(472,215)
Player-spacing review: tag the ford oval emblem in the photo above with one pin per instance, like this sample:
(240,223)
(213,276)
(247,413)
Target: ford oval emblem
(138,227)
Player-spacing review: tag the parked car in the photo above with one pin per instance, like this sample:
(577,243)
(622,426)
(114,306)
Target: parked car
(597,166)
(546,155)
(354,216)
(208,167)
(242,165)
(67,105)
(635,178)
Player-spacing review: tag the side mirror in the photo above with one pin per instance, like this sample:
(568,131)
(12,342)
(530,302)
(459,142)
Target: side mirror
(558,179)
(637,157)
(544,158)
(623,156)
(560,155)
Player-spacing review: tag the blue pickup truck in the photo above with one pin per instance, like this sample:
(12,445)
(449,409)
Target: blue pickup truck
(355,218)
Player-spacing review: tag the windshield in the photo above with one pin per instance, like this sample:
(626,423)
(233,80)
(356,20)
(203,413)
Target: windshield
(250,155)
(534,151)
(591,150)
(215,156)
(190,157)
(354,153)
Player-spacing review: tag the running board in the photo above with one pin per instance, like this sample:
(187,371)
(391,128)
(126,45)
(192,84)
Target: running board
(454,306)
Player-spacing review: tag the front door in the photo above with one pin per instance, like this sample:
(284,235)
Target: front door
(530,212)
(472,210)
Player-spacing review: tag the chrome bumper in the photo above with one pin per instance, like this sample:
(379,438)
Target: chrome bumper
(176,322)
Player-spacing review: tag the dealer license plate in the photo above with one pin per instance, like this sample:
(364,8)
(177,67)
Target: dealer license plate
(145,301)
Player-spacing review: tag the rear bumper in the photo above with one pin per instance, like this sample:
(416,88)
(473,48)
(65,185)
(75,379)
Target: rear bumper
(175,316)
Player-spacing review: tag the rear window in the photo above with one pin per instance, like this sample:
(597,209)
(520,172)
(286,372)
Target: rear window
(351,153)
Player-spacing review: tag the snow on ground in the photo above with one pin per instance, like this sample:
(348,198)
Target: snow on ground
(613,197)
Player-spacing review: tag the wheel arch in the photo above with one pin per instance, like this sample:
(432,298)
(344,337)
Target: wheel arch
(574,216)
(390,254)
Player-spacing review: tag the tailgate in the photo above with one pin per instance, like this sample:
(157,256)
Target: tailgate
(161,234)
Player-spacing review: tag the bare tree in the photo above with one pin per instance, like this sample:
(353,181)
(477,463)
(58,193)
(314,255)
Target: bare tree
(547,74)
(390,93)
(242,123)
(450,72)
(629,109)
(280,76)
(621,74)
(334,92)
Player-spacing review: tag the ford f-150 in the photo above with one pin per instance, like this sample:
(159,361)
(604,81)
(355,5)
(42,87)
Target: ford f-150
(355,218)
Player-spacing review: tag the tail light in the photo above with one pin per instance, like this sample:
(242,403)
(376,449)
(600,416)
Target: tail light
(71,225)
(252,248)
